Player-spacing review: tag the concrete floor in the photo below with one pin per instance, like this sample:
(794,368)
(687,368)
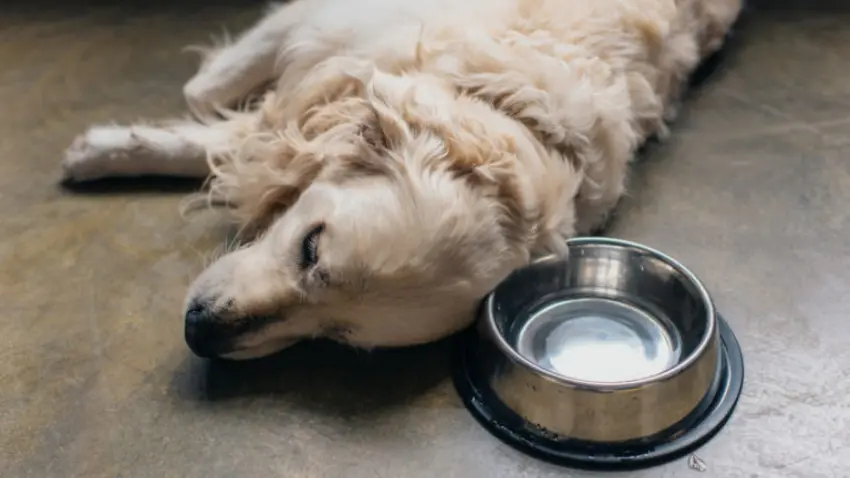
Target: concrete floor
(95,380)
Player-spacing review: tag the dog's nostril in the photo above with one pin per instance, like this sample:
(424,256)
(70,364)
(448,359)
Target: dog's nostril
(199,321)
(202,332)
(196,316)
(196,311)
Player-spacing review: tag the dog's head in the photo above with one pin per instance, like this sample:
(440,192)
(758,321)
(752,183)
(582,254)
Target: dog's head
(385,213)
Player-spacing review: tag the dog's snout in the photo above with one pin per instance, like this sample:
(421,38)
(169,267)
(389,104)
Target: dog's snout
(205,334)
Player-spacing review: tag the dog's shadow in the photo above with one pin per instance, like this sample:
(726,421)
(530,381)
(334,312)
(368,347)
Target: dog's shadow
(321,377)
(133,185)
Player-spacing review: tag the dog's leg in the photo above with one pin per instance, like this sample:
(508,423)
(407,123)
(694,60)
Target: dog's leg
(231,73)
(178,148)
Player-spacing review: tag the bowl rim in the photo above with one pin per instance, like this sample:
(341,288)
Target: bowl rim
(699,351)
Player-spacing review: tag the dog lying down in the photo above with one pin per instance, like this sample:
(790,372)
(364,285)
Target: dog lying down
(409,155)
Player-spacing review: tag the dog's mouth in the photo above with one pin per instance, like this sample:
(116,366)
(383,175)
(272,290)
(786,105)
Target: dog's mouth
(249,353)
(209,335)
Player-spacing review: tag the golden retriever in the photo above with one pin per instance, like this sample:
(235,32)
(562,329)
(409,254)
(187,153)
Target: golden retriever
(407,155)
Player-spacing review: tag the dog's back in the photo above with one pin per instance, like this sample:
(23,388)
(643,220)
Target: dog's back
(608,71)
(390,32)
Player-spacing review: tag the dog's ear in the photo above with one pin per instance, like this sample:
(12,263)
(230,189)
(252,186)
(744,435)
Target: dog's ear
(264,177)
(318,122)
(326,121)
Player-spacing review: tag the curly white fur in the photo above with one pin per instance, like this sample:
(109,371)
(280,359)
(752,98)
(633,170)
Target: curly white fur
(439,144)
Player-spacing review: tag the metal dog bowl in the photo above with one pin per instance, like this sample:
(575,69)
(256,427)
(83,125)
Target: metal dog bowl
(612,358)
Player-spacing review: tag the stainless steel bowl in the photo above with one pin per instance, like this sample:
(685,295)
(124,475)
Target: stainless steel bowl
(617,343)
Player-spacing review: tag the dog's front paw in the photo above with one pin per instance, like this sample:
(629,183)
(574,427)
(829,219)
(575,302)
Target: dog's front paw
(92,155)
(76,165)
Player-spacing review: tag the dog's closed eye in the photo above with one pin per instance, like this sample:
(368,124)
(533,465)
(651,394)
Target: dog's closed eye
(310,247)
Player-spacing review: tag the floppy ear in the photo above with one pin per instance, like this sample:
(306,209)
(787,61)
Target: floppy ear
(324,120)
(263,177)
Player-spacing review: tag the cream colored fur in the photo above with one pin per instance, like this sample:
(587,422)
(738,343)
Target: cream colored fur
(441,143)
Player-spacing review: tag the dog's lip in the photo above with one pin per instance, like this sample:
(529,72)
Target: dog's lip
(252,323)
(233,354)
(264,350)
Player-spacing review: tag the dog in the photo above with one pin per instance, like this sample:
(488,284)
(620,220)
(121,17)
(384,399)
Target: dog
(403,157)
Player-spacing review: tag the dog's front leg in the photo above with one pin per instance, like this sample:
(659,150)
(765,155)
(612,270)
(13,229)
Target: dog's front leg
(231,73)
(179,148)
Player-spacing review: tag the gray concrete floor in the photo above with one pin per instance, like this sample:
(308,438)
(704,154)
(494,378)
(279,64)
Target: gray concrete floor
(752,192)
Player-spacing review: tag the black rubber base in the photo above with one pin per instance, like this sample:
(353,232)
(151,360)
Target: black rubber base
(691,433)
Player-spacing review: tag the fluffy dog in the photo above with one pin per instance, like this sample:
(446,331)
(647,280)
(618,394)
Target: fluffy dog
(405,156)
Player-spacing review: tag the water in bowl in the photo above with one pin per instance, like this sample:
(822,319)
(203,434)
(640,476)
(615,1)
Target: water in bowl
(599,340)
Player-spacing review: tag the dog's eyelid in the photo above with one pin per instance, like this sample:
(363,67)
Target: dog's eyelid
(309,251)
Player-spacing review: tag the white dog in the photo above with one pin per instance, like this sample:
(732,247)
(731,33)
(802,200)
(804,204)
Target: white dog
(409,155)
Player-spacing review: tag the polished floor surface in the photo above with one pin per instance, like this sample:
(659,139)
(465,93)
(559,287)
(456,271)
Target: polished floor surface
(752,192)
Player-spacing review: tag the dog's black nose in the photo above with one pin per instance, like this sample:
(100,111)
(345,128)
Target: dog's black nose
(204,332)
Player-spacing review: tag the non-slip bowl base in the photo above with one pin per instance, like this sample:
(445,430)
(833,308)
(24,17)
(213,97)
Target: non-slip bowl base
(691,433)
